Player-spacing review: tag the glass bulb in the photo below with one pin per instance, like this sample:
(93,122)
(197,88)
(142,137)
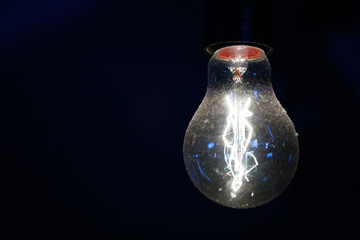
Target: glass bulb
(240,148)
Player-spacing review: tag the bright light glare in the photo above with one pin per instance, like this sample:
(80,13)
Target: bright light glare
(237,136)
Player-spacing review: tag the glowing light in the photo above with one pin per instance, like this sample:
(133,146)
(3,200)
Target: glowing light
(237,146)
(236,137)
(254,143)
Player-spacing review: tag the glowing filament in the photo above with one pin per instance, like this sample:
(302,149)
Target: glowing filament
(236,136)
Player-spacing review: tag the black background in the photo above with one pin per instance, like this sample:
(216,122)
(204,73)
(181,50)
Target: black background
(97,96)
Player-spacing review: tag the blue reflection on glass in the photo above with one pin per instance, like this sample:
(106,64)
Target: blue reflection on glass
(254,74)
(201,171)
(272,136)
(255,94)
(197,179)
(254,143)
(211,145)
(196,155)
(265,179)
(283,144)
(269,155)
(289,158)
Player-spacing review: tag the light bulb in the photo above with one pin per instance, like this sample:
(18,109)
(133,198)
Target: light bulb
(240,148)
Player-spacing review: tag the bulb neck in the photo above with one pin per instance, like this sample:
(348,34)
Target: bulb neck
(212,48)
(232,53)
(237,66)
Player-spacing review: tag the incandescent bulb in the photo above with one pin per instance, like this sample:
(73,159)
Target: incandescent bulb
(240,148)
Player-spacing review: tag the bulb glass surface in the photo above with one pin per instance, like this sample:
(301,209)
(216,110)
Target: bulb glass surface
(240,148)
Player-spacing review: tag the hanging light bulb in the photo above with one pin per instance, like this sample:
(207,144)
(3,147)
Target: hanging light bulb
(240,148)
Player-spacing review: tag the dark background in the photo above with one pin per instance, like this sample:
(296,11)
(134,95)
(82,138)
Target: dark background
(97,95)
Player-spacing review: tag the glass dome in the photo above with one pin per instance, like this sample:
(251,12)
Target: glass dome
(240,148)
